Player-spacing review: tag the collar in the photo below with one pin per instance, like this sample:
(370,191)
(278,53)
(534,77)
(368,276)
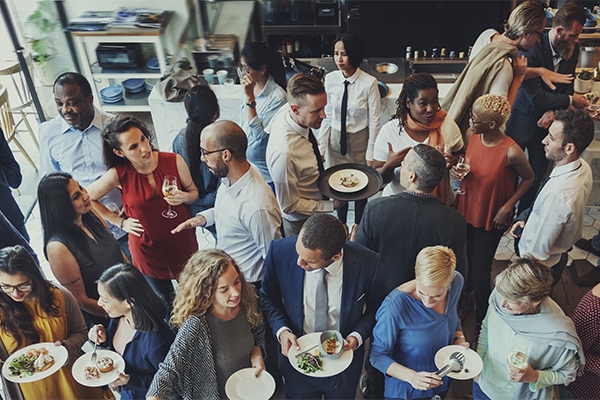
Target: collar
(419,194)
(335,267)
(236,188)
(565,169)
(268,88)
(297,128)
(96,121)
(554,53)
(352,78)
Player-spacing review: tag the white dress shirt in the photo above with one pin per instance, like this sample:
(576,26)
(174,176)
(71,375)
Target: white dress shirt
(364,103)
(335,278)
(293,167)
(393,133)
(556,220)
(247,218)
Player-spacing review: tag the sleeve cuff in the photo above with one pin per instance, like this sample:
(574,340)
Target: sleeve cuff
(283,328)
(570,100)
(358,337)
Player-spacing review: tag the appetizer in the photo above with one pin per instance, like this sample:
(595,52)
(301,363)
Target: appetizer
(349,181)
(31,362)
(105,364)
(310,362)
(331,345)
(91,372)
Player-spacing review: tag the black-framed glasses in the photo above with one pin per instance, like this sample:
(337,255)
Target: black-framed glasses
(23,287)
(476,122)
(540,34)
(206,153)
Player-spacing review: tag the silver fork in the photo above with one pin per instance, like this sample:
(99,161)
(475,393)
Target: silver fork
(94,354)
(455,364)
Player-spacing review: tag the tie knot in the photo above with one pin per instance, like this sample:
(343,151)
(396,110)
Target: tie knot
(323,273)
(346,83)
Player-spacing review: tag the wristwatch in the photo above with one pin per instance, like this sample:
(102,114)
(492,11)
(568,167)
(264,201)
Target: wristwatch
(252,104)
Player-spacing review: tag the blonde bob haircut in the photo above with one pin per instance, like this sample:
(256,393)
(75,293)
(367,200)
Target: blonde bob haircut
(527,17)
(435,266)
(526,281)
(493,107)
(198,283)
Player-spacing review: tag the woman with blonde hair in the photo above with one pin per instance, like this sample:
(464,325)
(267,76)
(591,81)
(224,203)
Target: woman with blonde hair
(522,317)
(416,320)
(220,326)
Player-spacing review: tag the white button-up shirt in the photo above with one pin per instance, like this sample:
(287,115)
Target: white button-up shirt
(293,167)
(556,220)
(247,218)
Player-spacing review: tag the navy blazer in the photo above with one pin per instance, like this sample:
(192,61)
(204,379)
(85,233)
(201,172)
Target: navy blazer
(535,97)
(363,288)
(10,177)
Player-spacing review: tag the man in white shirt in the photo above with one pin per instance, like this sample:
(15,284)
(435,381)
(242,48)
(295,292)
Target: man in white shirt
(315,282)
(293,156)
(555,219)
(246,212)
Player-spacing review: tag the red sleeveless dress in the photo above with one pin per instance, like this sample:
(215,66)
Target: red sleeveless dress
(156,253)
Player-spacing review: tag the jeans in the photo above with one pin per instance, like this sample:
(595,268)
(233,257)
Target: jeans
(478,393)
(481,248)
(558,268)
(164,288)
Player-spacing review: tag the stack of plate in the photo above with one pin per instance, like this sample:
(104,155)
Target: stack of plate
(134,85)
(112,94)
(154,65)
(150,84)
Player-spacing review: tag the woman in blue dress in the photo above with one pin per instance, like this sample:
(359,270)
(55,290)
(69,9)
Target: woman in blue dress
(137,329)
(416,320)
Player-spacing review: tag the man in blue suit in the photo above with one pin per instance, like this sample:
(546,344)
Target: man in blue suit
(291,300)
(533,111)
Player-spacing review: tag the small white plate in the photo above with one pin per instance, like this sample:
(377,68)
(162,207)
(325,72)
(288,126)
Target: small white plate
(331,367)
(243,385)
(473,363)
(60,354)
(334,180)
(78,369)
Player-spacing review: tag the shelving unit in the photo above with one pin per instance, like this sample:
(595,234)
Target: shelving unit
(99,78)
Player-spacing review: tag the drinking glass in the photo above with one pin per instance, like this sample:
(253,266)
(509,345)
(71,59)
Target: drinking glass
(446,150)
(169,187)
(462,168)
(517,357)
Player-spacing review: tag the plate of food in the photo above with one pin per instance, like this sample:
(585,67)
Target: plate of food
(103,372)
(34,362)
(348,180)
(472,365)
(243,385)
(309,360)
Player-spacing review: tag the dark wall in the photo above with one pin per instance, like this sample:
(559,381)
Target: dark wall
(387,27)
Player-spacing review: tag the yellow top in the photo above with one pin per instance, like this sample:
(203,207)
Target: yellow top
(61,384)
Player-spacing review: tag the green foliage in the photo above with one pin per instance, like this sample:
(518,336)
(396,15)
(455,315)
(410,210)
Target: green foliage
(43,23)
(585,75)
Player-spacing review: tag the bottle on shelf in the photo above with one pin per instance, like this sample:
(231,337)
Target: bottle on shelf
(408,52)
(289,45)
(443,52)
(434,52)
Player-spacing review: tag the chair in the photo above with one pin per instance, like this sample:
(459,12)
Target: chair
(7,123)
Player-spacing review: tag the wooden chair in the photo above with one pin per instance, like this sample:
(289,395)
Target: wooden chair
(7,123)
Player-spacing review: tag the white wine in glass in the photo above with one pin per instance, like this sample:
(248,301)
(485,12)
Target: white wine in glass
(169,187)
(462,168)
(517,357)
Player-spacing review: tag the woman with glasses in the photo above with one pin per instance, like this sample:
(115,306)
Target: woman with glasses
(263,81)
(137,331)
(202,109)
(140,171)
(77,243)
(221,330)
(418,119)
(32,310)
(490,191)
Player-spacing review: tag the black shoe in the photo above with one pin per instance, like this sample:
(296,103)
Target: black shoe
(363,384)
(585,244)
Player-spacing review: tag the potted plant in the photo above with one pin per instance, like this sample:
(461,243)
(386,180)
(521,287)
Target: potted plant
(41,27)
(584,82)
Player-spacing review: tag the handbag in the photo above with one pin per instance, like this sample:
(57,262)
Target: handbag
(294,66)
(178,80)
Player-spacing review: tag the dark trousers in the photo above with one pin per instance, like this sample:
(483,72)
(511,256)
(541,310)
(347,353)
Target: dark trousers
(558,268)
(164,288)
(481,248)
(359,208)
(539,164)
(375,380)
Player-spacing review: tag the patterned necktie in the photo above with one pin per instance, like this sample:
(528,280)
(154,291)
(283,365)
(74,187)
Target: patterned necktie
(344,112)
(321,302)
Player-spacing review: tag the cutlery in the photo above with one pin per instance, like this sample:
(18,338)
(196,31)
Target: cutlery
(455,364)
(307,350)
(94,354)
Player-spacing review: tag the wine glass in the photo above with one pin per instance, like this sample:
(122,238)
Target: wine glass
(462,168)
(169,187)
(446,151)
(517,357)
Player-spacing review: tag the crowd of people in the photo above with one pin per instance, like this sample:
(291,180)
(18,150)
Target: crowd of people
(119,220)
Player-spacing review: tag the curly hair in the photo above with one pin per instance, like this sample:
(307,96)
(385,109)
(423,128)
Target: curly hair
(413,84)
(493,107)
(198,283)
(527,281)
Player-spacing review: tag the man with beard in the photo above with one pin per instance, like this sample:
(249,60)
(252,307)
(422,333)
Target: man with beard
(555,220)
(72,142)
(246,212)
(532,113)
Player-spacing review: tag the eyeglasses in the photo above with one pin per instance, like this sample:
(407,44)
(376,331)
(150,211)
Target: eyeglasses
(476,122)
(23,287)
(206,153)
(540,34)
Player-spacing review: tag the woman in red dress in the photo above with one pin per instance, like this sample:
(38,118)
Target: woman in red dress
(139,170)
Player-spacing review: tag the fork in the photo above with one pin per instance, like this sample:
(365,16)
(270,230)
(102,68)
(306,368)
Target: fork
(455,364)
(94,354)
(307,350)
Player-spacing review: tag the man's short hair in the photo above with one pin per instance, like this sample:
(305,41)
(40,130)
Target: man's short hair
(69,78)
(527,17)
(578,128)
(323,232)
(429,165)
(229,135)
(567,14)
(301,85)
